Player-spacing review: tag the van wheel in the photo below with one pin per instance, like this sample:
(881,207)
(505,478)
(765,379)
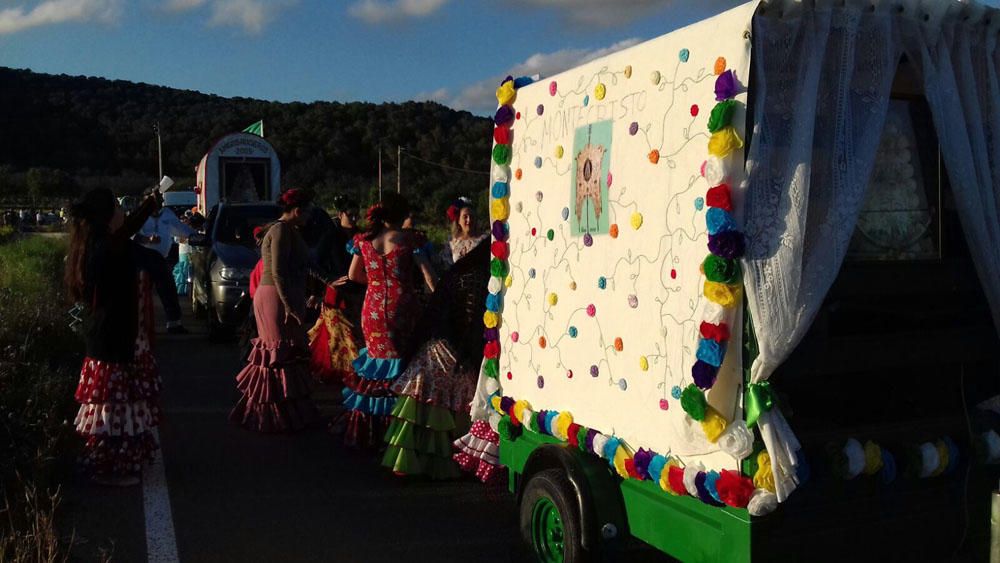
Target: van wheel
(550,520)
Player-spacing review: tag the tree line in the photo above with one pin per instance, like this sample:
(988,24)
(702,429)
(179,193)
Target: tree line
(61,135)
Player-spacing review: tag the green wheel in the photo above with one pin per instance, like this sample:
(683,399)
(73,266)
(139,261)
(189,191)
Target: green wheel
(550,521)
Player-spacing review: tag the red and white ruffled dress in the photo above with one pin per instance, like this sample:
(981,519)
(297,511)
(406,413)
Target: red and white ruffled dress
(119,404)
(478,452)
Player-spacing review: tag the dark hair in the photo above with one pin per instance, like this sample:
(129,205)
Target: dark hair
(294,198)
(89,220)
(393,210)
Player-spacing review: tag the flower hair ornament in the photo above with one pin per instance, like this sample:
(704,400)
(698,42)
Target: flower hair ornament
(455,209)
(292,197)
(374,214)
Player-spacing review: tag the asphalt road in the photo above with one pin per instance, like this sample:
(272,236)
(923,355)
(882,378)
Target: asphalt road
(241,496)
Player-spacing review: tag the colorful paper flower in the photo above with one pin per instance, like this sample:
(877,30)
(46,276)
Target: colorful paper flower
(722,270)
(713,425)
(726,86)
(502,135)
(764,477)
(506,93)
(719,220)
(722,115)
(734,489)
(762,502)
(500,209)
(718,332)
(722,294)
(704,374)
(675,478)
(720,197)
(737,440)
(711,352)
(693,402)
(724,141)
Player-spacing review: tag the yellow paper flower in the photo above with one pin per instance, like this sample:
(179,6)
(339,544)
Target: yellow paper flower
(506,93)
(600,90)
(553,299)
(508,281)
(724,141)
(643,363)
(491,319)
(622,454)
(873,458)
(519,408)
(495,403)
(559,151)
(943,456)
(563,420)
(713,425)
(636,220)
(500,209)
(764,478)
(722,294)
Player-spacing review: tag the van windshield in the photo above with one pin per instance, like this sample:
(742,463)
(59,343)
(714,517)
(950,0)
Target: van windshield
(235,224)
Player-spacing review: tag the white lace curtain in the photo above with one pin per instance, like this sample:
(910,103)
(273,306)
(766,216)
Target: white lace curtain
(823,76)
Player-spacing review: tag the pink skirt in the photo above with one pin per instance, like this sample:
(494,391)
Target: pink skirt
(275,384)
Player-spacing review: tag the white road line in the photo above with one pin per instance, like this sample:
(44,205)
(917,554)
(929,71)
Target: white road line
(161,545)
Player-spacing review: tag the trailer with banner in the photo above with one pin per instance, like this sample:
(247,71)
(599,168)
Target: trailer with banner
(239,168)
(797,192)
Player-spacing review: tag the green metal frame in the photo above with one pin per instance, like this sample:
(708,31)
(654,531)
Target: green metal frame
(682,527)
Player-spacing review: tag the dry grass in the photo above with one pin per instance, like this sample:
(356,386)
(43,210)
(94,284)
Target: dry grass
(28,532)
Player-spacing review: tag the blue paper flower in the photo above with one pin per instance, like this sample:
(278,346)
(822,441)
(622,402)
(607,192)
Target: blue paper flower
(718,221)
(500,190)
(493,302)
(710,351)
(711,478)
(656,466)
(676,392)
(610,448)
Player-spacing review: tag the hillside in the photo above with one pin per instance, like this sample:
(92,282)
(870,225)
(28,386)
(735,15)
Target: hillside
(63,134)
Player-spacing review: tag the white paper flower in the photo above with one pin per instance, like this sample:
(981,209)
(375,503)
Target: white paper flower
(712,312)
(600,440)
(501,173)
(737,440)
(690,472)
(495,286)
(929,459)
(527,415)
(762,502)
(855,454)
(492,385)
(715,171)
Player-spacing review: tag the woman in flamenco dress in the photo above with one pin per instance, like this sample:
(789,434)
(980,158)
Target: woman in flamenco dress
(332,340)
(385,258)
(119,383)
(435,391)
(275,383)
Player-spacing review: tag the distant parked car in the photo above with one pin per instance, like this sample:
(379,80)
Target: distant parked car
(221,263)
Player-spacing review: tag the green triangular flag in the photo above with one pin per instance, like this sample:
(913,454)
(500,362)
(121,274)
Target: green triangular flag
(256,128)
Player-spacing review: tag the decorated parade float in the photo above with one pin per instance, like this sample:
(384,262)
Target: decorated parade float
(239,168)
(745,287)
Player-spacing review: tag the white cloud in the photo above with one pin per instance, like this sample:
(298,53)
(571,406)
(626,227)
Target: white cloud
(381,11)
(49,12)
(182,5)
(605,13)
(480,96)
(250,15)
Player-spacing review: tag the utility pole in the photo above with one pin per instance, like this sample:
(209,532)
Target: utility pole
(399,169)
(159,149)
(380,172)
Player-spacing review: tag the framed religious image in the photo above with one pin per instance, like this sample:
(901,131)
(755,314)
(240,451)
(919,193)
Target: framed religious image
(592,158)
(901,216)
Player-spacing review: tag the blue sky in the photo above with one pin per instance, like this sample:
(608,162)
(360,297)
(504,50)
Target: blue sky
(452,51)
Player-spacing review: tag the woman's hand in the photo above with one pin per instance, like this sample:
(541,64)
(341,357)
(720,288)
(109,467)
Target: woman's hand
(293,318)
(340,281)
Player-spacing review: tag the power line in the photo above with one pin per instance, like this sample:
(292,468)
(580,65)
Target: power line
(444,166)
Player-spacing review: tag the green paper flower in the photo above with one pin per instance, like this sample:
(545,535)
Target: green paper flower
(693,402)
(501,154)
(581,438)
(507,430)
(498,268)
(492,368)
(534,424)
(722,116)
(722,270)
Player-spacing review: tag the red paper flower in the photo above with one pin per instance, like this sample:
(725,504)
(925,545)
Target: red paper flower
(491,350)
(502,135)
(572,434)
(718,333)
(630,469)
(500,249)
(720,196)
(734,489)
(676,480)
